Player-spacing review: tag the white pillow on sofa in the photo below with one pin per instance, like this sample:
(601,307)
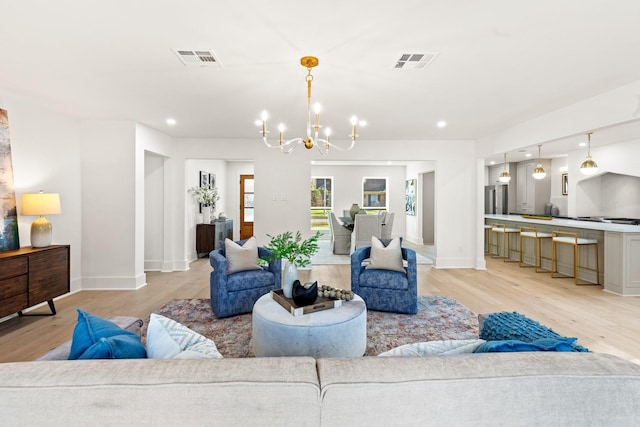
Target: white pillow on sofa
(168,339)
(241,258)
(435,348)
(386,258)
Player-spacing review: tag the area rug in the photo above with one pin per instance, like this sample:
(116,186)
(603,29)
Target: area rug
(438,318)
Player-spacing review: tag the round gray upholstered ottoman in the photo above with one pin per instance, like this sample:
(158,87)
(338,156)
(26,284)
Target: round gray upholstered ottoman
(337,332)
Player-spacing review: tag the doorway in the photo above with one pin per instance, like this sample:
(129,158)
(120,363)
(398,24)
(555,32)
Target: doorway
(428,208)
(246,206)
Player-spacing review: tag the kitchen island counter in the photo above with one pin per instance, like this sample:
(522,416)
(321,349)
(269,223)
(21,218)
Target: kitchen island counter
(619,246)
(565,222)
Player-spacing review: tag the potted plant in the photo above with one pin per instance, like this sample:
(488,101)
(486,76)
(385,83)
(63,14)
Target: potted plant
(206,196)
(296,251)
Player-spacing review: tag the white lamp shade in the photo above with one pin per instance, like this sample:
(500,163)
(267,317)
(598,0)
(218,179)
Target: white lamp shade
(40,204)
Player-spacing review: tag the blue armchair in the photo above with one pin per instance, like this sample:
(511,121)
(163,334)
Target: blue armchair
(236,293)
(385,290)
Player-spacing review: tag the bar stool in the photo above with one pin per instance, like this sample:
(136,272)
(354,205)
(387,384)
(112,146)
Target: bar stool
(487,238)
(533,233)
(498,229)
(567,238)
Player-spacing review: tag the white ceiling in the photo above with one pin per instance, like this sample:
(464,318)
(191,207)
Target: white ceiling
(499,62)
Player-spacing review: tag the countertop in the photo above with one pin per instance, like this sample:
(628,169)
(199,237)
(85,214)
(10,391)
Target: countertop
(561,222)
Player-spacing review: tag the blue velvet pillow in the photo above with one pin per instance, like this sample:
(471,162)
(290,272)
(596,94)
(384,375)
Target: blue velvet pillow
(95,331)
(542,344)
(116,347)
(505,326)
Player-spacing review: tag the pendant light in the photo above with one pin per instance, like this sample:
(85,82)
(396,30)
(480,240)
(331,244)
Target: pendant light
(538,172)
(589,167)
(504,176)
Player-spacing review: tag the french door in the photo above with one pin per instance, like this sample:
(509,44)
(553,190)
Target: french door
(246,206)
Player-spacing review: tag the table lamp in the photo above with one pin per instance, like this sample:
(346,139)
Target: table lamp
(40,204)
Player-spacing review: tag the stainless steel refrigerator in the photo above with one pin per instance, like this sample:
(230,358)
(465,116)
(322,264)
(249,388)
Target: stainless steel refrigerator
(496,199)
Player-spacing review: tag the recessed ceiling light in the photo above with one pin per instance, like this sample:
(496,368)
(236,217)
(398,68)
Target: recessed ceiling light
(528,155)
(492,162)
(582,144)
(441,124)
(171,121)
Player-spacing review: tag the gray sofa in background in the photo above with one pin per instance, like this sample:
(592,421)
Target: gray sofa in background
(507,389)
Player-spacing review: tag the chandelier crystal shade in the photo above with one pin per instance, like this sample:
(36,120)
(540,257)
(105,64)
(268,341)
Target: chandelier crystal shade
(313,129)
(589,167)
(539,172)
(504,176)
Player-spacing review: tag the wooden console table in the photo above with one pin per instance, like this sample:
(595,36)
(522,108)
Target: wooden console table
(29,276)
(211,236)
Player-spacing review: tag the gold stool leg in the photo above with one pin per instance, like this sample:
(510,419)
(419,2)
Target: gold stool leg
(597,266)
(554,261)
(575,263)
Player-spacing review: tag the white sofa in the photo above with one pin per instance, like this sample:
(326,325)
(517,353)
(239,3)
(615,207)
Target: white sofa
(509,389)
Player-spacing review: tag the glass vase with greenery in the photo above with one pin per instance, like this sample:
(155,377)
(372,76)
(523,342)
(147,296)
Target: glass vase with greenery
(295,250)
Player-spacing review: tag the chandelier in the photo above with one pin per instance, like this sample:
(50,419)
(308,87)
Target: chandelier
(312,138)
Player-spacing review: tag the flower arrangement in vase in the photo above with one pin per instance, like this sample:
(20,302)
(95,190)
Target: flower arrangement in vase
(206,196)
(296,251)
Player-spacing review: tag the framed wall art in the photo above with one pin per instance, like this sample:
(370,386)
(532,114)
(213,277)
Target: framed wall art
(410,197)
(8,212)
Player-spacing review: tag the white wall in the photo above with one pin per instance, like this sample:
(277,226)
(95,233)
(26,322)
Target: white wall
(557,198)
(151,142)
(428,208)
(46,156)
(109,206)
(415,225)
(154,212)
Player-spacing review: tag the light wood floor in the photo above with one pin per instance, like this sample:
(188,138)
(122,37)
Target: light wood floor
(602,322)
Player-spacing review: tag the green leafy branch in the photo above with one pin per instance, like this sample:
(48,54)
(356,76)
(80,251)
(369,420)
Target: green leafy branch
(295,250)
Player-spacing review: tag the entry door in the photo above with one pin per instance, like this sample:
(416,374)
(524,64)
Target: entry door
(246,206)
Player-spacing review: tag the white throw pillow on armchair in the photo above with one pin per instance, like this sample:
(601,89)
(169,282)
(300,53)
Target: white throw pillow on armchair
(241,258)
(386,258)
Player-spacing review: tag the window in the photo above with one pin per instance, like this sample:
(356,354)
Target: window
(374,194)
(321,202)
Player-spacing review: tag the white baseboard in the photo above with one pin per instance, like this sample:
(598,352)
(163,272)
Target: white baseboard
(114,283)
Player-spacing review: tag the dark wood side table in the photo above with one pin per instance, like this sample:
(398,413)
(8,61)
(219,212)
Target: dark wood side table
(29,276)
(211,236)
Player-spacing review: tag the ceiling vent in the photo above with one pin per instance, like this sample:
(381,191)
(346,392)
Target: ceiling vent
(415,61)
(198,58)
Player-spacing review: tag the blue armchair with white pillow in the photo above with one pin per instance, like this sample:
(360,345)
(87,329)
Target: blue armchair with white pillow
(237,281)
(385,276)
